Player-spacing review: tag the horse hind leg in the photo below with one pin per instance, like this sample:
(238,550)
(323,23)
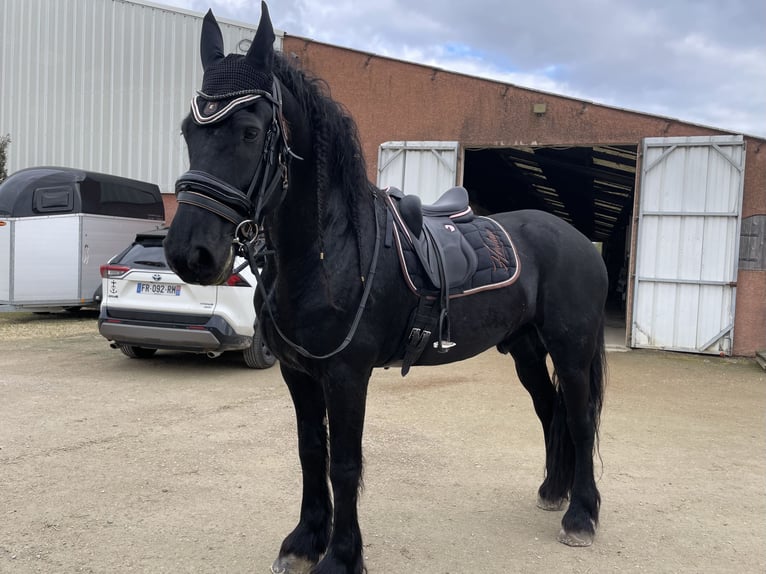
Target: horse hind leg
(574,433)
(529,355)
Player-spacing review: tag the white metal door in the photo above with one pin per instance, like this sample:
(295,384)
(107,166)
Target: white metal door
(422,168)
(688,243)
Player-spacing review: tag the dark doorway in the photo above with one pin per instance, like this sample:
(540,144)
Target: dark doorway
(591,187)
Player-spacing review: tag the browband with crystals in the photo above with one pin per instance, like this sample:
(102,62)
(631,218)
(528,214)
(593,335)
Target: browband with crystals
(207,111)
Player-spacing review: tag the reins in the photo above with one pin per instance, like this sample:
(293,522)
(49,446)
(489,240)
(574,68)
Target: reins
(246,250)
(208,192)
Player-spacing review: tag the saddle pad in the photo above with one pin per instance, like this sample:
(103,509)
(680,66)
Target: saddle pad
(495,252)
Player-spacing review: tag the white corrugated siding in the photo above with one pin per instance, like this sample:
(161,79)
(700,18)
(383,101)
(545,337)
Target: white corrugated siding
(100,84)
(688,232)
(422,168)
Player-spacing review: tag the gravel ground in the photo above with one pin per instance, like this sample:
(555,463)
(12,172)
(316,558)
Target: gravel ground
(185,464)
(19,326)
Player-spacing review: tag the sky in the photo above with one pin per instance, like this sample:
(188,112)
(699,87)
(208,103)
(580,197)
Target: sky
(700,61)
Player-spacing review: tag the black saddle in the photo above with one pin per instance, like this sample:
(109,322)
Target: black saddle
(453,201)
(445,251)
(447,258)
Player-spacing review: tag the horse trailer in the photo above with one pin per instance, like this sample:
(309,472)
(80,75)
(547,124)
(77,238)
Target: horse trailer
(58,225)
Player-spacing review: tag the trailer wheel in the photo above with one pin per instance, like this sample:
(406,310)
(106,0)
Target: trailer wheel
(137,352)
(258,355)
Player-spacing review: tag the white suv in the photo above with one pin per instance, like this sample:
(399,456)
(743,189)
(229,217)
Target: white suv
(145,307)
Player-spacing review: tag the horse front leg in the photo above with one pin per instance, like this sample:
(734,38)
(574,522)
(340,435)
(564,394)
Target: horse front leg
(345,396)
(304,546)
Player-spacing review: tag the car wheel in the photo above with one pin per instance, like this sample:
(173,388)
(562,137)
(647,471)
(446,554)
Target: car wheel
(258,355)
(137,352)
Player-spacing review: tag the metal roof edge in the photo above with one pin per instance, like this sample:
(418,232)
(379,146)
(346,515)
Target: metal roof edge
(193,14)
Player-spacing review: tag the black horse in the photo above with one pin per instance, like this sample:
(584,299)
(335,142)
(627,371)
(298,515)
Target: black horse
(269,148)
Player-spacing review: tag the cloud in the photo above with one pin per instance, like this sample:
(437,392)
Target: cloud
(697,60)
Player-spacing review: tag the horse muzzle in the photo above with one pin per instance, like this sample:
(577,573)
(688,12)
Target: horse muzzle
(199,265)
(194,250)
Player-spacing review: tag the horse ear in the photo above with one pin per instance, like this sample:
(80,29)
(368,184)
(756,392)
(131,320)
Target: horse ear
(211,41)
(261,52)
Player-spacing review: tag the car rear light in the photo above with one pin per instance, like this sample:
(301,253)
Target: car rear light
(113,271)
(236,280)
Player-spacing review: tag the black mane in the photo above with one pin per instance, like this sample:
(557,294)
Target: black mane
(340,163)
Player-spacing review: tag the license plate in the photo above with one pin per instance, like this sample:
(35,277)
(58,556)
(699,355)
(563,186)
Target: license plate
(158,289)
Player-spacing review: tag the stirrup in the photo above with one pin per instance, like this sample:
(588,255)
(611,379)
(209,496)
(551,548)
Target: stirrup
(442,345)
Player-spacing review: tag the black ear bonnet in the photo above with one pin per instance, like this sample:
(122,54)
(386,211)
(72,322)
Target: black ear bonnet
(230,83)
(227,85)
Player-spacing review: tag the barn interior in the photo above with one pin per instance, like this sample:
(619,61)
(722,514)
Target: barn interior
(591,187)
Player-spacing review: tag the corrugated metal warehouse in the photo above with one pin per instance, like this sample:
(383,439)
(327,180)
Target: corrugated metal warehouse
(678,209)
(101,84)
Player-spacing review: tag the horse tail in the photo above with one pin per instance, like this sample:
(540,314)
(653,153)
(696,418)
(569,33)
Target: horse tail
(598,377)
(560,449)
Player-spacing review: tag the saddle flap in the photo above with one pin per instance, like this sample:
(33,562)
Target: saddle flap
(456,254)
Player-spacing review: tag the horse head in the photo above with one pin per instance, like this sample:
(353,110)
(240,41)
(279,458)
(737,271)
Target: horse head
(238,154)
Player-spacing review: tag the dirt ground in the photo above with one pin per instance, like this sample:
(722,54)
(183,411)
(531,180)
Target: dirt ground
(182,463)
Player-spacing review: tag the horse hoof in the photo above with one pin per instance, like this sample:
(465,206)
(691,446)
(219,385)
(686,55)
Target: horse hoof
(551,504)
(576,539)
(291,564)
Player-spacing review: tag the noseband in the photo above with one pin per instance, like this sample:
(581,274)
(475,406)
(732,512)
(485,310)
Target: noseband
(269,183)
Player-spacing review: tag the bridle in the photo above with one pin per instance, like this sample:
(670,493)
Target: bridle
(267,189)
(268,185)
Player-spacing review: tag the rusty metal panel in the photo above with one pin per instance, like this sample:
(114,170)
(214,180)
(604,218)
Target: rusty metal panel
(102,85)
(688,243)
(752,244)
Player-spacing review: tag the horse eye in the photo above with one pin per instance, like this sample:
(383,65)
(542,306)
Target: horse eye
(251,134)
